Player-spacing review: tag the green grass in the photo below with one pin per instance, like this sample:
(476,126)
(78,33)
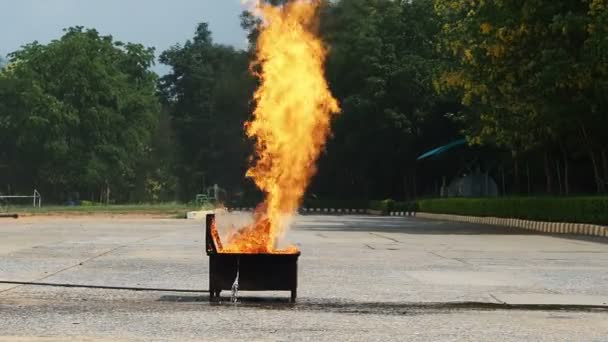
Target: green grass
(164,209)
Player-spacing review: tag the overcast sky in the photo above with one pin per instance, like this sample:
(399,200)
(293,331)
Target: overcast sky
(157,23)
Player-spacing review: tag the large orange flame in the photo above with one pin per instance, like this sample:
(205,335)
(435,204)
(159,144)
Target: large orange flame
(291,121)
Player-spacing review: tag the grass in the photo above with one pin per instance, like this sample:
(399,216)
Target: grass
(164,209)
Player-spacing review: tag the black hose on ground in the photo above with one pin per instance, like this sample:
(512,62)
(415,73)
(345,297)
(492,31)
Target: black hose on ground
(99,287)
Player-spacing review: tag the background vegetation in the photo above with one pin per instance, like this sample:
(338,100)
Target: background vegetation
(565,209)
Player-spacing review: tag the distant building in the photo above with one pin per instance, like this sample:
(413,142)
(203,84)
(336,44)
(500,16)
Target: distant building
(476,184)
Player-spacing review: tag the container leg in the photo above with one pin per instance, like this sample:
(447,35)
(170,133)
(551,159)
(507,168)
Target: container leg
(294,295)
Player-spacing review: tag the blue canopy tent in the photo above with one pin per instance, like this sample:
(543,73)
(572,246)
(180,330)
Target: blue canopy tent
(440,150)
(472,183)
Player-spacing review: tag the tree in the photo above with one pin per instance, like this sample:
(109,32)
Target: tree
(596,87)
(381,65)
(157,171)
(524,73)
(250,22)
(77,114)
(207,95)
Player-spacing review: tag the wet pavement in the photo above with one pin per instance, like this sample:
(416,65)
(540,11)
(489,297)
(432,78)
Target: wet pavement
(361,278)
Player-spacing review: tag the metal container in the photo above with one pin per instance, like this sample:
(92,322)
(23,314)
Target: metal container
(256,272)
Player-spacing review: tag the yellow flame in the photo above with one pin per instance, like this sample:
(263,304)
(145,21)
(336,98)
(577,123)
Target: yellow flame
(292,118)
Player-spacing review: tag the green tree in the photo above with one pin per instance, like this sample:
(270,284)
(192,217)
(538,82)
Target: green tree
(157,171)
(596,57)
(250,22)
(525,73)
(77,114)
(381,66)
(207,94)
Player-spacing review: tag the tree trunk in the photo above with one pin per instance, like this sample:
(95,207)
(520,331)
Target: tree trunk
(502,175)
(548,176)
(107,193)
(516,182)
(566,169)
(605,167)
(528,176)
(598,179)
(559,176)
(566,177)
(415,186)
(596,172)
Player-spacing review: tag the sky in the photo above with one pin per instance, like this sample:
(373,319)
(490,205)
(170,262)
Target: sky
(153,23)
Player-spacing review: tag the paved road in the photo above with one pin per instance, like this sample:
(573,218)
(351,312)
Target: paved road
(361,278)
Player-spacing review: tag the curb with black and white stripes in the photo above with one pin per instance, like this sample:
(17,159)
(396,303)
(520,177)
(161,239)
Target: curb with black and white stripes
(243,209)
(539,226)
(317,211)
(403,213)
(333,211)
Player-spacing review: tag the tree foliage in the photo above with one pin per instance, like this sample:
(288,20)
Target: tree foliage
(381,65)
(525,80)
(207,94)
(528,72)
(76,115)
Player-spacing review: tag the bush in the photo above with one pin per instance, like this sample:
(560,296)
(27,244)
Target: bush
(89,204)
(405,206)
(385,206)
(592,210)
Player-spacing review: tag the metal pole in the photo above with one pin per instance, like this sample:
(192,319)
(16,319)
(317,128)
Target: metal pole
(39,197)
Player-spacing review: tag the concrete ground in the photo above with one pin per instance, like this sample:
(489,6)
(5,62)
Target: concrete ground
(361,278)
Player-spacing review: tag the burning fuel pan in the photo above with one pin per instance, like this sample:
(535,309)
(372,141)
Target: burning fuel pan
(255,272)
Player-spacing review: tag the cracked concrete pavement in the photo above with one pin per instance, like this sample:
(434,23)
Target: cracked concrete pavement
(360,278)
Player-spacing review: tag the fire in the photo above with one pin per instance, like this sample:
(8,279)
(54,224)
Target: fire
(291,122)
(253,239)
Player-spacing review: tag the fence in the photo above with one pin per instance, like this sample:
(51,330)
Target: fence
(36,198)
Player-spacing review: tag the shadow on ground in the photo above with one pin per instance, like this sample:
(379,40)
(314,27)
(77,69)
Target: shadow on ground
(407,225)
(372,308)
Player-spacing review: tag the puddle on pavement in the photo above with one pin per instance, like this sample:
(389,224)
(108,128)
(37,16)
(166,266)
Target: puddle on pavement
(284,305)
(366,308)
